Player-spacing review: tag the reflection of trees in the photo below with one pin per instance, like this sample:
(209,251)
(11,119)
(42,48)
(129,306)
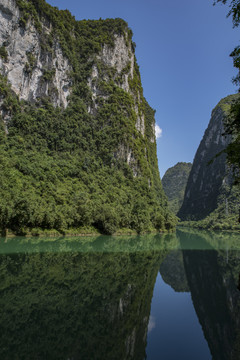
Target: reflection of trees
(212,279)
(76,305)
(147,242)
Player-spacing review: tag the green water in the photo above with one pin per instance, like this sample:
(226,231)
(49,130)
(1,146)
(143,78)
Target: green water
(169,296)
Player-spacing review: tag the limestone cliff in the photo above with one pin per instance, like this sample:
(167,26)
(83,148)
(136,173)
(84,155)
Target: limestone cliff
(36,67)
(35,70)
(74,115)
(210,179)
(31,70)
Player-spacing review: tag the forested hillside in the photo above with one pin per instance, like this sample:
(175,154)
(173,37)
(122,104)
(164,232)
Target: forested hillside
(77,140)
(174,184)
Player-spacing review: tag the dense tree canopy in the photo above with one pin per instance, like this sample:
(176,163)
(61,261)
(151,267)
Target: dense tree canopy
(232,125)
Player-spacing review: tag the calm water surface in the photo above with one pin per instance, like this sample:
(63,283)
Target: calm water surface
(157,297)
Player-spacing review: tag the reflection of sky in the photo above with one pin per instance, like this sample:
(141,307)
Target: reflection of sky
(174,331)
(151,324)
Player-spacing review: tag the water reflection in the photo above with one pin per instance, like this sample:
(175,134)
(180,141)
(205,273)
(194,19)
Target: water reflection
(90,298)
(213,278)
(77,305)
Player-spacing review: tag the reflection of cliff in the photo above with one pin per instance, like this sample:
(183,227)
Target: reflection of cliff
(75,305)
(173,272)
(211,277)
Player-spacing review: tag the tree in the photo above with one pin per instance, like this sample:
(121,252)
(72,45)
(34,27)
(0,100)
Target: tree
(232,124)
(234,10)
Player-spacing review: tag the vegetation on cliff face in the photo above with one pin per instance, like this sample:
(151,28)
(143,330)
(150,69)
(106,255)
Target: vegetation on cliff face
(61,168)
(213,201)
(174,183)
(222,210)
(232,125)
(211,198)
(225,216)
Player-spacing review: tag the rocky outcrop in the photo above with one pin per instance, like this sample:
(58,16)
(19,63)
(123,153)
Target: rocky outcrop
(210,174)
(32,71)
(117,62)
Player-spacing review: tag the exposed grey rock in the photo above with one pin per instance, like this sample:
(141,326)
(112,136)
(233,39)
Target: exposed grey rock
(35,73)
(119,58)
(209,173)
(20,43)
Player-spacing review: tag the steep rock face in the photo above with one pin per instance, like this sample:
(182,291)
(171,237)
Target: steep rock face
(119,59)
(32,71)
(174,184)
(35,72)
(116,63)
(72,101)
(116,58)
(209,175)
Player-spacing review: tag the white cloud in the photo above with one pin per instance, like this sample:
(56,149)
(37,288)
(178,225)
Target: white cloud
(158,131)
(151,323)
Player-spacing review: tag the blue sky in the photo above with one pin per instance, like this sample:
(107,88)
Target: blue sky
(183,52)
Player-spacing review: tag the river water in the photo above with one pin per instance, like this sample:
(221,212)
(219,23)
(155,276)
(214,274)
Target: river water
(168,297)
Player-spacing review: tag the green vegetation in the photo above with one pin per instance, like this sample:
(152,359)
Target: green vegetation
(232,126)
(174,183)
(212,199)
(60,168)
(225,216)
(31,63)
(3,53)
(213,222)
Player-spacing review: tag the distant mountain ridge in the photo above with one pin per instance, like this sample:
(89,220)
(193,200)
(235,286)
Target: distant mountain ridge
(174,183)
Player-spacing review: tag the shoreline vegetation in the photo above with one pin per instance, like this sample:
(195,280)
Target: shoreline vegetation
(81,232)
(205,225)
(91,231)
